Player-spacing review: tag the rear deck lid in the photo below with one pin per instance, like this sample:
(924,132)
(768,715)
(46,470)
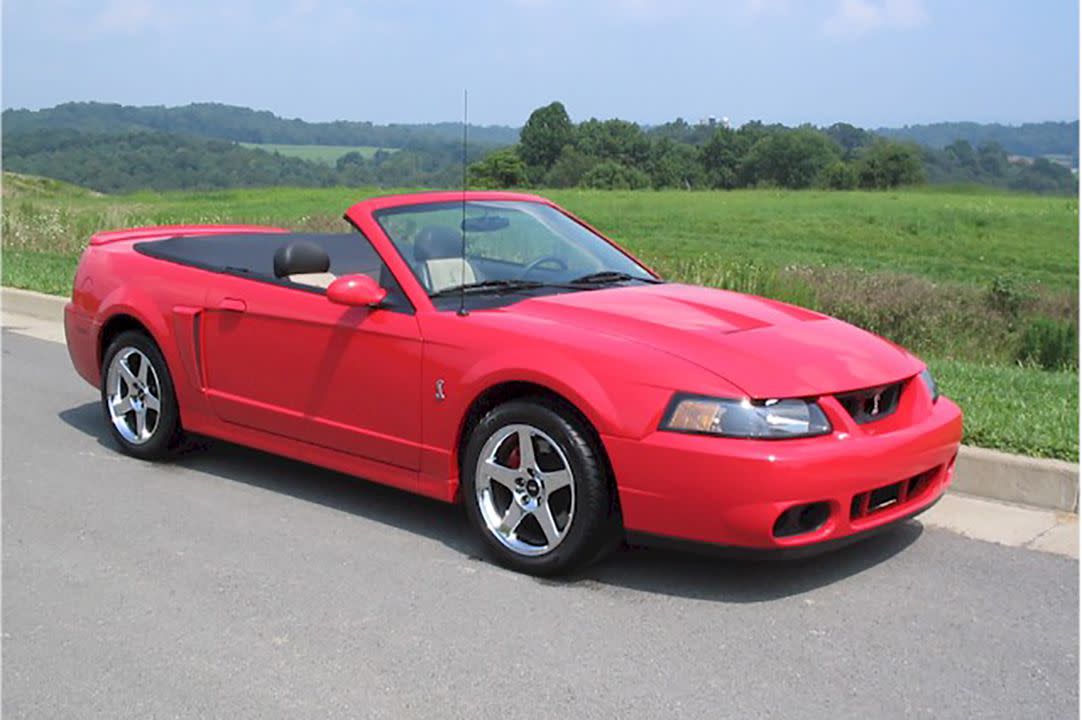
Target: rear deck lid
(164,231)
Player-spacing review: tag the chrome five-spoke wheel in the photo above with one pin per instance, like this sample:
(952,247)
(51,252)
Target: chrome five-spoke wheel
(525,490)
(134,395)
(536,487)
(138,399)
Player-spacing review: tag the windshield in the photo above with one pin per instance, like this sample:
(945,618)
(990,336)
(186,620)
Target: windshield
(508,244)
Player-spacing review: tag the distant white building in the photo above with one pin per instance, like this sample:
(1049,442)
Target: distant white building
(712,121)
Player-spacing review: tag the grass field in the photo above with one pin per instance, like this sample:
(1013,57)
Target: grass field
(326,154)
(967,238)
(960,277)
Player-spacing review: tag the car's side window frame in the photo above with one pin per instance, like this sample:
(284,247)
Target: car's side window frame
(399,300)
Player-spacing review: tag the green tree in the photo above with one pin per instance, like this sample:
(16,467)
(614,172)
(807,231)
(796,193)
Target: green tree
(611,175)
(501,169)
(569,168)
(992,159)
(617,140)
(675,165)
(889,164)
(680,131)
(789,158)
(849,138)
(840,175)
(963,155)
(544,136)
(722,155)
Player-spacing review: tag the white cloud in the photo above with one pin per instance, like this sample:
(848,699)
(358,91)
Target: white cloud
(858,17)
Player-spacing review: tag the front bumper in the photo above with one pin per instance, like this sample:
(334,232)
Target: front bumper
(730,493)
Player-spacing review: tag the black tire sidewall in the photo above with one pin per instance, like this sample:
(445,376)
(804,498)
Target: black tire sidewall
(162,443)
(594,521)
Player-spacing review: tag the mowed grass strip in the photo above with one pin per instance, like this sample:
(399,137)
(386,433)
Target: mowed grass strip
(326,154)
(44,272)
(1015,409)
(795,246)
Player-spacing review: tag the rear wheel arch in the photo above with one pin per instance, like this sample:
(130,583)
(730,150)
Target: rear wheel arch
(114,326)
(122,321)
(142,435)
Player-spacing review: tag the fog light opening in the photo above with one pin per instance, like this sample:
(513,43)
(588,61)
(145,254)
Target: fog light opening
(801,519)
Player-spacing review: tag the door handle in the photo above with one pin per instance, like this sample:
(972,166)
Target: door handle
(232,305)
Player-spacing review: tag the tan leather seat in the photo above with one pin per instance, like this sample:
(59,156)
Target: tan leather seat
(319,280)
(446,273)
(438,251)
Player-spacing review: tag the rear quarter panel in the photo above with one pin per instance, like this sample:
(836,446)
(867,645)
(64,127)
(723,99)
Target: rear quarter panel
(114,280)
(112,277)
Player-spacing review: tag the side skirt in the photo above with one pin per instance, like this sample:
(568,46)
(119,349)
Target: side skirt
(362,468)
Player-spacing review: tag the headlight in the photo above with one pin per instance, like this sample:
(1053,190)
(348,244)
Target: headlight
(930,383)
(764,420)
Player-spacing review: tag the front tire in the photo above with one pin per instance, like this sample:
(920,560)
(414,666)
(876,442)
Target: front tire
(137,397)
(536,488)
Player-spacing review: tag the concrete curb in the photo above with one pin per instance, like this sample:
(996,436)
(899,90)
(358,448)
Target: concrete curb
(1051,484)
(33,304)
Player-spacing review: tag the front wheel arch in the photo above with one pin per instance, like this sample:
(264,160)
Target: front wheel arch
(504,392)
(593,522)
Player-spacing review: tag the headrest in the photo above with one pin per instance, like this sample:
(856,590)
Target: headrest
(299,257)
(437,241)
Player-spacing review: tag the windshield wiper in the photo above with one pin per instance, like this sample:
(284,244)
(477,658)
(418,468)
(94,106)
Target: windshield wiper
(489,286)
(610,276)
(583,283)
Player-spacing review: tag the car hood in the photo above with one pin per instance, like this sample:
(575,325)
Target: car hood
(766,348)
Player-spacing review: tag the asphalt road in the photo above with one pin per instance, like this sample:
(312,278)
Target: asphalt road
(235,584)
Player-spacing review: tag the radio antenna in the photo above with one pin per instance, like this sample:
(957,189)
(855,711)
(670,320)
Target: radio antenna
(465,184)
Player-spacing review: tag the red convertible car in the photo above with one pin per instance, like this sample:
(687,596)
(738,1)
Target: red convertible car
(492,349)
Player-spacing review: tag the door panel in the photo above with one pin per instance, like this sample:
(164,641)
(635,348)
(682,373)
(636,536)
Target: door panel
(290,362)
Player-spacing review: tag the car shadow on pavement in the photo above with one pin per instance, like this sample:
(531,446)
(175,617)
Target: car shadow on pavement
(379,503)
(633,568)
(702,577)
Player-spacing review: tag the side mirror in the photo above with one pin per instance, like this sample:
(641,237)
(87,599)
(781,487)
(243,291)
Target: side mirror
(356,291)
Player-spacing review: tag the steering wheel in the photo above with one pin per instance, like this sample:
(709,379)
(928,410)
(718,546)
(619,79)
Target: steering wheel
(561,265)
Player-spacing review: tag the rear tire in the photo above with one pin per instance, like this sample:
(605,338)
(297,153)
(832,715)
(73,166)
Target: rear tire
(137,397)
(536,488)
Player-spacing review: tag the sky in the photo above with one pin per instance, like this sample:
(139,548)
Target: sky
(872,63)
